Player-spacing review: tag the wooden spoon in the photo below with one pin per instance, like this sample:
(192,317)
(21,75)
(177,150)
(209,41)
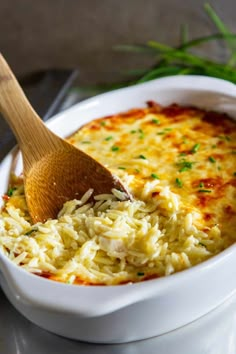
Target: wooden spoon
(54,170)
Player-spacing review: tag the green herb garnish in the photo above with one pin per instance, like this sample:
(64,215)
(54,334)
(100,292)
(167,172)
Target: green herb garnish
(202,244)
(224,137)
(179,183)
(140,274)
(195,148)
(211,159)
(103,123)
(86,142)
(156,121)
(142,157)
(141,136)
(201,185)
(10,191)
(108,138)
(115,148)
(133,131)
(164,131)
(153,175)
(204,191)
(121,168)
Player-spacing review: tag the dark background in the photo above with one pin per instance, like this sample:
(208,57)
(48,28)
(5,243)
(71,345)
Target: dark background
(46,34)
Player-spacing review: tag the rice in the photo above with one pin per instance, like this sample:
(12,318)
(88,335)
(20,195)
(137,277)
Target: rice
(109,242)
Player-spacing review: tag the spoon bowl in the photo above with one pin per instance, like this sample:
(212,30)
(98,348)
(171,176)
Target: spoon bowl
(54,170)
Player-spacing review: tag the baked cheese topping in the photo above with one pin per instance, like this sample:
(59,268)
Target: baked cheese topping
(190,150)
(179,163)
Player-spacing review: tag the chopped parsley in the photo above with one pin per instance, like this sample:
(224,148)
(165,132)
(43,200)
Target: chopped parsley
(201,185)
(153,175)
(204,190)
(185,165)
(142,157)
(10,191)
(141,136)
(179,183)
(214,146)
(31,231)
(103,123)
(195,148)
(121,168)
(224,137)
(211,159)
(108,138)
(115,148)
(156,121)
(133,131)
(140,274)
(182,154)
(164,131)
(86,142)
(137,170)
(202,244)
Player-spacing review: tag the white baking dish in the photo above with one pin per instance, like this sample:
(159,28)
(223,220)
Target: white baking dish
(122,313)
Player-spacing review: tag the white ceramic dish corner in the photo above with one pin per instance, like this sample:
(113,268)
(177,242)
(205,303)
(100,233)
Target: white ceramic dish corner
(116,314)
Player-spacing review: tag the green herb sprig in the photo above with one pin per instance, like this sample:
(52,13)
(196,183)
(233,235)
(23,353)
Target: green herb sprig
(181,59)
(31,231)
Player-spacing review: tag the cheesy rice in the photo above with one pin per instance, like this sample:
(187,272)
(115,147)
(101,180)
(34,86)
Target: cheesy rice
(179,163)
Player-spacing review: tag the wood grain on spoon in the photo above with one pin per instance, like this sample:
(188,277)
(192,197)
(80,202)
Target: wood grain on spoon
(54,170)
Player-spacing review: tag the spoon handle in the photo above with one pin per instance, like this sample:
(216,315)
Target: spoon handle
(26,125)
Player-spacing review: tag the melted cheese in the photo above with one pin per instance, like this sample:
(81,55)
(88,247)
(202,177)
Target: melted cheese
(188,149)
